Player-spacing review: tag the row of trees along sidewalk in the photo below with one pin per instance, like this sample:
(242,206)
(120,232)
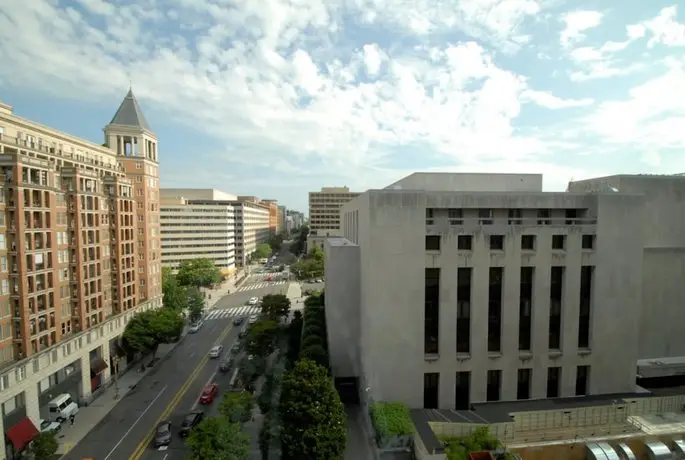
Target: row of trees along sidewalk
(182,297)
(223,437)
(310,420)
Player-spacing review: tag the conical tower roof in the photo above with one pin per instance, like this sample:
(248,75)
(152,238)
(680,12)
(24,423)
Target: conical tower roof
(129,114)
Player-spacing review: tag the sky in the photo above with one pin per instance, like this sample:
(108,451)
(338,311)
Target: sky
(276,98)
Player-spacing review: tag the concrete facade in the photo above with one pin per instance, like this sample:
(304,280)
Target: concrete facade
(191,231)
(324,213)
(663,289)
(390,228)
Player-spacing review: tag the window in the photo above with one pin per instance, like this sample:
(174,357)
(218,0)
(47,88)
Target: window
(462,400)
(495,310)
(2,219)
(515,217)
(544,217)
(555,306)
(3,263)
(465,242)
(494,385)
(464,275)
(559,242)
(4,287)
(455,216)
(588,242)
(523,386)
(553,382)
(432,242)
(582,380)
(497,242)
(431,389)
(584,314)
(485,216)
(139,165)
(429,216)
(528,242)
(432,311)
(2,241)
(525,308)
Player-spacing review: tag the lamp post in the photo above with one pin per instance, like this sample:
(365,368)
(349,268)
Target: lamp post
(115,362)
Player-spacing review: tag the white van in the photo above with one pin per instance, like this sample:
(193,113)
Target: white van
(62,407)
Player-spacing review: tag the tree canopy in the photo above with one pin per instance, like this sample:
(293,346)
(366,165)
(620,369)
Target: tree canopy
(198,272)
(148,329)
(44,446)
(175,295)
(275,306)
(263,251)
(236,406)
(311,265)
(300,240)
(313,417)
(261,338)
(218,439)
(276,242)
(196,304)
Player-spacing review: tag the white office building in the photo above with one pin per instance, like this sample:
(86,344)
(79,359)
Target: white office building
(497,291)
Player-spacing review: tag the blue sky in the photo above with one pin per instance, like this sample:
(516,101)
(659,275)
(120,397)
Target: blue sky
(275,98)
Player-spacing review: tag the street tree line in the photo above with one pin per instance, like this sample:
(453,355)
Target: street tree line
(311,265)
(223,437)
(181,297)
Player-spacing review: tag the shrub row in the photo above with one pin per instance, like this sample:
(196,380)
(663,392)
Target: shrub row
(314,344)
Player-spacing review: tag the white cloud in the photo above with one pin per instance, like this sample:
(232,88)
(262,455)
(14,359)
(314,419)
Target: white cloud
(577,22)
(665,29)
(550,101)
(373,58)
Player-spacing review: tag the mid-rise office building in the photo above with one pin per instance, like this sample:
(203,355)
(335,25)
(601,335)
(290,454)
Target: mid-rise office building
(273,215)
(79,255)
(494,290)
(243,222)
(294,221)
(324,213)
(280,222)
(199,228)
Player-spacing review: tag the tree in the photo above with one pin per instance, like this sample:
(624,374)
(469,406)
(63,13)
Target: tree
(196,304)
(316,353)
(198,272)
(294,332)
(175,295)
(250,370)
(236,406)
(313,418)
(307,268)
(261,338)
(311,340)
(44,446)
(148,329)
(276,242)
(275,306)
(218,439)
(263,251)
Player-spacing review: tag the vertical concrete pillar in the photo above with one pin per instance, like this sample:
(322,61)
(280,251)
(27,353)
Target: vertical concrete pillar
(86,393)
(105,355)
(32,406)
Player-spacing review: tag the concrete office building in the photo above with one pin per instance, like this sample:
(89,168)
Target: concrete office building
(198,229)
(273,215)
(252,227)
(295,220)
(247,216)
(661,347)
(324,213)
(79,255)
(280,223)
(493,290)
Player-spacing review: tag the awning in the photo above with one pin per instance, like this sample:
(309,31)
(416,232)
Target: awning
(98,365)
(22,434)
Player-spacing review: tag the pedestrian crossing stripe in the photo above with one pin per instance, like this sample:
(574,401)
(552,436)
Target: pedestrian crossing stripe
(251,287)
(235,312)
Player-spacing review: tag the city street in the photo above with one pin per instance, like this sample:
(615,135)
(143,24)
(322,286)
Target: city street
(236,299)
(171,389)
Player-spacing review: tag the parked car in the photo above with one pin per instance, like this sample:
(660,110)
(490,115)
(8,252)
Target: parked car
(253,301)
(62,407)
(49,426)
(209,393)
(253,319)
(243,331)
(215,352)
(190,421)
(238,321)
(163,434)
(226,365)
(195,327)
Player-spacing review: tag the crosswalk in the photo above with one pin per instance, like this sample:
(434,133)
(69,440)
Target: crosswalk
(253,286)
(235,312)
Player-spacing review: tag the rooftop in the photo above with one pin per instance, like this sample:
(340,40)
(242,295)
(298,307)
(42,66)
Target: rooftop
(130,114)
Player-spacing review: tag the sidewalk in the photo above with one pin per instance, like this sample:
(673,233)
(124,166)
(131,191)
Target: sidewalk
(91,415)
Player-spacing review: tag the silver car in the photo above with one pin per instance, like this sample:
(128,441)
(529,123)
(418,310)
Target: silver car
(215,352)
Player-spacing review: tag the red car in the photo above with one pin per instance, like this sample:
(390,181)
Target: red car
(209,393)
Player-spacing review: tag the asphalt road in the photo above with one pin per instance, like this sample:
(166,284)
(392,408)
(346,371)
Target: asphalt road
(237,299)
(176,380)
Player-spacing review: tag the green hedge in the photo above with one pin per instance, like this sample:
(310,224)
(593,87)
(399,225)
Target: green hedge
(391,419)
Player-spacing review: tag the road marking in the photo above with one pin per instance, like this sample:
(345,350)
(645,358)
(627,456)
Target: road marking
(135,423)
(192,353)
(165,456)
(140,449)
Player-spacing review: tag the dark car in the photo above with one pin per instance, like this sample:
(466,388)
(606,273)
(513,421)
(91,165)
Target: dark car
(163,434)
(238,321)
(190,421)
(226,365)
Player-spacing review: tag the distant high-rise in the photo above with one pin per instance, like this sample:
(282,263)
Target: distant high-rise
(324,213)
